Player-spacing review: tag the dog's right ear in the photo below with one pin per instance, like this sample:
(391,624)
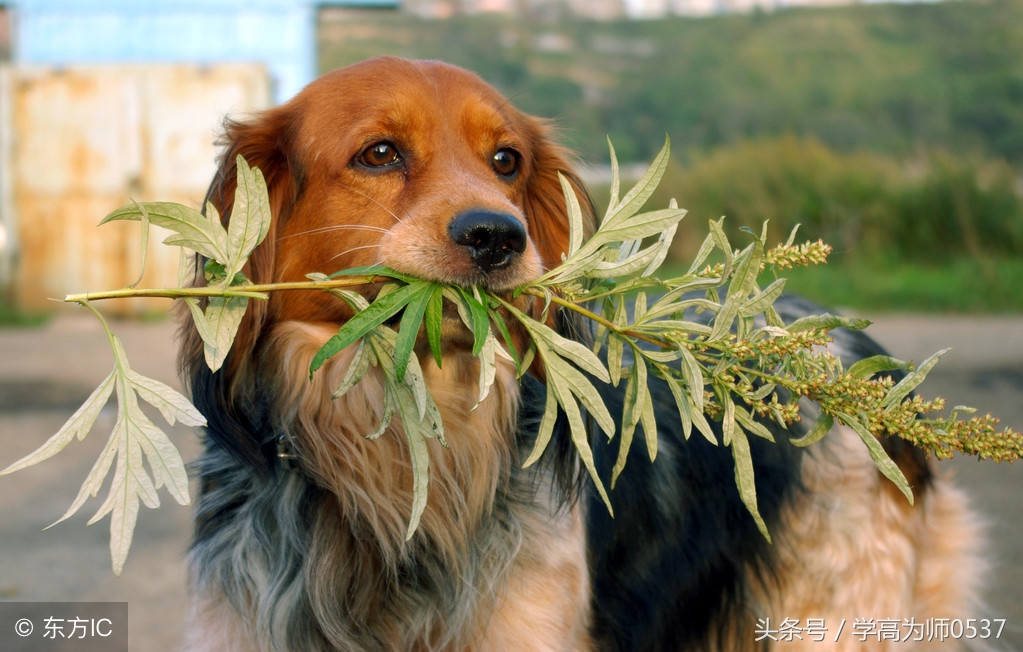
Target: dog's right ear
(265,142)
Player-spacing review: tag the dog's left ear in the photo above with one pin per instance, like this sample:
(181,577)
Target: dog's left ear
(545,204)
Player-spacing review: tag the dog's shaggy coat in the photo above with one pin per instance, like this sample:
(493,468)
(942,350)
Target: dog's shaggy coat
(300,527)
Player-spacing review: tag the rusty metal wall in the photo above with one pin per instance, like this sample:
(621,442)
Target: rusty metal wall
(78,142)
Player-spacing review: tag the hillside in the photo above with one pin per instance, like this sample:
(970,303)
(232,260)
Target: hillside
(884,77)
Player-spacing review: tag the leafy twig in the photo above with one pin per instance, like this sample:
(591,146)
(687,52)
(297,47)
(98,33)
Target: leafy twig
(731,365)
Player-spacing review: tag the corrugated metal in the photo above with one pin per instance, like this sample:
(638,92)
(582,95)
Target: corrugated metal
(81,141)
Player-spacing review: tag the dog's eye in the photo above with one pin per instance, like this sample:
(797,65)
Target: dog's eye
(505,162)
(380,155)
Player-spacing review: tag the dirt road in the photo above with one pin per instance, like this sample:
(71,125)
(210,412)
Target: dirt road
(45,374)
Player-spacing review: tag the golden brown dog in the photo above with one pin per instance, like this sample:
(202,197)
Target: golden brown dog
(300,531)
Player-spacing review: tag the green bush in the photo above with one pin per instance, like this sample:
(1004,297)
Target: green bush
(868,206)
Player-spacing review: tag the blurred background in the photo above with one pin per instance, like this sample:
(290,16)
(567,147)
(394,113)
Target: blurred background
(894,131)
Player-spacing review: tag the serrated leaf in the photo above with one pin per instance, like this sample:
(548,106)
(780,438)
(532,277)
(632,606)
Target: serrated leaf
(357,368)
(223,316)
(191,228)
(135,441)
(78,426)
(250,216)
(173,405)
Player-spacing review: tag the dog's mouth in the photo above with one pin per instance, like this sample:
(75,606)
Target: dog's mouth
(456,330)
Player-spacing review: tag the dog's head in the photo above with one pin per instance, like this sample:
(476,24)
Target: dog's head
(418,165)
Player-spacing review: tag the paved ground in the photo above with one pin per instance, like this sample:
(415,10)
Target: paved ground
(45,374)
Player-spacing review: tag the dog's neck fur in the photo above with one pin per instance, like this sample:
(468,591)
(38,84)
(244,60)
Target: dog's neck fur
(337,525)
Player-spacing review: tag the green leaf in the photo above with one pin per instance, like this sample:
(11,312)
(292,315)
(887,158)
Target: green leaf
(434,319)
(760,302)
(250,216)
(546,429)
(867,367)
(78,425)
(579,434)
(827,321)
(645,187)
(411,319)
(683,402)
(357,368)
(910,382)
(615,344)
(192,229)
(223,316)
(478,317)
(575,216)
(638,409)
(488,356)
(615,176)
(884,463)
(364,321)
(134,442)
(820,428)
(702,254)
(739,290)
(746,421)
(744,479)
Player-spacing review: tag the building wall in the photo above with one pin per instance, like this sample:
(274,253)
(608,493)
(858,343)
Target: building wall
(81,141)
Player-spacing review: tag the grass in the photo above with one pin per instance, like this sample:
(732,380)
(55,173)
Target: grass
(961,286)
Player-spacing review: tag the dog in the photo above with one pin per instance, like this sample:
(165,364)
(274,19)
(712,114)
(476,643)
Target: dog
(300,527)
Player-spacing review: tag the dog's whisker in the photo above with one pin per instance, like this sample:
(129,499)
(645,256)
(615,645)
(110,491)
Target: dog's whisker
(351,249)
(334,227)
(375,201)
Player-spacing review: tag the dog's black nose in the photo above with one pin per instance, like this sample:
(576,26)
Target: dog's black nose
(492,239)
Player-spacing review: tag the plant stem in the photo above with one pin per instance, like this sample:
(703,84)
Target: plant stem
(249,291)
